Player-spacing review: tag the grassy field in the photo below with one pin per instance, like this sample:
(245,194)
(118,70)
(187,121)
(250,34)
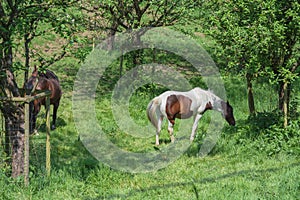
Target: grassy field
(244,164)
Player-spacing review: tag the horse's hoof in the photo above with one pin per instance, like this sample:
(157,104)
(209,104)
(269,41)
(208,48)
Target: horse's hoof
(53,127)
(35,132)
(172,139)
(156,148)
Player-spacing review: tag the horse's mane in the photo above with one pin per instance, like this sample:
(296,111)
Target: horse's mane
(211,91)
(48,75)
(213,95)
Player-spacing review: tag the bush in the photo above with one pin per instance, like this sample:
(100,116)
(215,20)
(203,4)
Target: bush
(261,133)
(277,139)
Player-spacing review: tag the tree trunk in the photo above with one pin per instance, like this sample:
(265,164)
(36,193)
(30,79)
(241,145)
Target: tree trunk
(251,104)
(13,112)
(137,54)
(111,36)
(283,100)
(14,123)
(283,87)
(7,142)
(27,56)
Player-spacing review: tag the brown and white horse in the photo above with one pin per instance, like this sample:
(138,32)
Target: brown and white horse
(183,105)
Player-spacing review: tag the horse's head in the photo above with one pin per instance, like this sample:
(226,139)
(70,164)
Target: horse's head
(228,113)
(34,106)
(32,81)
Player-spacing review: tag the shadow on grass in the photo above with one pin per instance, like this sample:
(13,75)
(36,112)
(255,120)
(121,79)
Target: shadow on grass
(67,153)
(192,183)
(60,122)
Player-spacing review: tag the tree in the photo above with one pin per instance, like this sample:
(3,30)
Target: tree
(20,24)
(258,38)
(127,15)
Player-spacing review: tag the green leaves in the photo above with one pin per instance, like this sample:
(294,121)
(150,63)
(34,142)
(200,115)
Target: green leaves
(259,38)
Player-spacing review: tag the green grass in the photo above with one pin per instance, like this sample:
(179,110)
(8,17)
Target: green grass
(237,168)
(218,177)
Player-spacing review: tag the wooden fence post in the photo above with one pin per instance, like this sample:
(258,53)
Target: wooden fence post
(48,148)
(26,145)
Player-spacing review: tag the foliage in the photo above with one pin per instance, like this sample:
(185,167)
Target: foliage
(255,35)
(258,38)
(264,133)
(132,14)
(30,26)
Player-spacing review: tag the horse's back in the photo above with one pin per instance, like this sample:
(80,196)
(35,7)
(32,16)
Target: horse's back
(49,75)
(196,97)
(55,89)
(50,82)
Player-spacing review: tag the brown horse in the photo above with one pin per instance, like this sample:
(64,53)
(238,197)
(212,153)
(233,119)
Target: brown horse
(43,81)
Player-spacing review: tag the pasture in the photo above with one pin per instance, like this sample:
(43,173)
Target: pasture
(254,44)
(248,162)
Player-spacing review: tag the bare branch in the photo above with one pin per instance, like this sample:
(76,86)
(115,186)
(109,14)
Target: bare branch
(137,8)
(117,19)
(145,8)
(47,63)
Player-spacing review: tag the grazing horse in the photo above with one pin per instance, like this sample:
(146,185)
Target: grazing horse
(43,81)
(183,105)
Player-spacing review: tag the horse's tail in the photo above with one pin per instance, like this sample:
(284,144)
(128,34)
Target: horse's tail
(152,109)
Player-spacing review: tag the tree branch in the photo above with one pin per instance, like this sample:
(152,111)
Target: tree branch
(145,8)
(137,8)
(117,18)
(47,63)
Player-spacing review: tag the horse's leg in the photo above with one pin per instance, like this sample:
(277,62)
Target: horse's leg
(33,128)
(195,126)
(170,130)
(158,129)
(55,107)
(36,110)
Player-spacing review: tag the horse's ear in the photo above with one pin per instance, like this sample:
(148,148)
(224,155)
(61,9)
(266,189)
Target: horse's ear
(227,102)
(35,71)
